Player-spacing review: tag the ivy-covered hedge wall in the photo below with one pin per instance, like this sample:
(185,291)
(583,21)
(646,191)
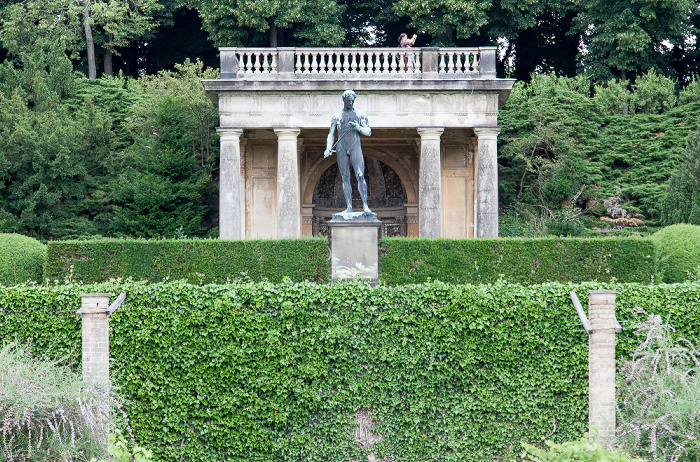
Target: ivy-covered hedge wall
(522,260)
(259,372)
(199,261)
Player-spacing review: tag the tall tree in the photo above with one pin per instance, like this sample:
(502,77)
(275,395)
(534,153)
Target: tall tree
(446,20)
(77,25)
(622,37)
(271,22)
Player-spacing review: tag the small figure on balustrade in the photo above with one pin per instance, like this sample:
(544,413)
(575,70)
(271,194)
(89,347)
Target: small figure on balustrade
(405,42)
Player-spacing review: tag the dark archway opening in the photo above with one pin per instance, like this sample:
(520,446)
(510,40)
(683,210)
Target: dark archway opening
(386,197)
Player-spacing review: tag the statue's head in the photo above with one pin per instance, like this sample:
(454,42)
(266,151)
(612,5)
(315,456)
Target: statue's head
(349,94)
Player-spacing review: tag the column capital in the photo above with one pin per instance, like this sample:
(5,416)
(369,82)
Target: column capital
(430,132)
(487,131)
(229,133)
(287,132)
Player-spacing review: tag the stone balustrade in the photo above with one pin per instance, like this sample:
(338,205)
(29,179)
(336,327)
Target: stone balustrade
(358,63)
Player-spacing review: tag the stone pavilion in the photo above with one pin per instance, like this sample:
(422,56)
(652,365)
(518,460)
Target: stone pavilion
(430,162)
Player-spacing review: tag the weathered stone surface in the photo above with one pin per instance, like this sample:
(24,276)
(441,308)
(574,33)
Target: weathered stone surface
(487,182)
(230,217)
(394,106)
(429,204)
(354,249)
(288,204)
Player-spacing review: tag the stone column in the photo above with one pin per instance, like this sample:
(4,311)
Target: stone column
(430,182)
(95,330)
(288,200)
(487,182)
(601,364)
(231,224)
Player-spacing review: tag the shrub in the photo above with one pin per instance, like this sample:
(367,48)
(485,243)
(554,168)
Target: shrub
(21,259)
(47,412)
(583,450)
(659,392)
(679,251)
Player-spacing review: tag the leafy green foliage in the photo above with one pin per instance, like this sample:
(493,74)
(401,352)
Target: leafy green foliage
(560,136)
(21,259)
(631,36)
(238,22)
(119,451)
(681,203)
(679,251)
(459,261)
(445,19)
(195,260)
(113,157)
(583,450)
(279,371)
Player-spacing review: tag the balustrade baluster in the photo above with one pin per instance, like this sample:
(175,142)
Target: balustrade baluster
(477,62)
(297,65)
(256,59)
(273,64)
(450,63)
(362,62)
(458,63)
(264,65)
(442,63)
(353,62)
(314,65)
(418,67)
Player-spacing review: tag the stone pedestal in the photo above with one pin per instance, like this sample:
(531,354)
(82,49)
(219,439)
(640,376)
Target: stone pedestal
(355,249)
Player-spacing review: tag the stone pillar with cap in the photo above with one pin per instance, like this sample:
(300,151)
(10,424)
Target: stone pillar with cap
(288,199)
(95,336)
(231,224)
(487,182)
(601,364)
(430,183)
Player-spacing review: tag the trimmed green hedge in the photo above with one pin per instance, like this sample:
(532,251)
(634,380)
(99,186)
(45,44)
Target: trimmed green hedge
(199,261)
(21,259)
(679,252)
(522,260)
(260,372)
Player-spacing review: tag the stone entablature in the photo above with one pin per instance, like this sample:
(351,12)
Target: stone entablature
(434,119)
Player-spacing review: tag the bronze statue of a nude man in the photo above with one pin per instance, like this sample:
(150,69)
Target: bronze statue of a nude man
(350,123)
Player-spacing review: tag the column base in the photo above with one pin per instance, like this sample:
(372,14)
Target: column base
(355,249)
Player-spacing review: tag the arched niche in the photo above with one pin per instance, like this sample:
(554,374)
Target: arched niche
(387,196)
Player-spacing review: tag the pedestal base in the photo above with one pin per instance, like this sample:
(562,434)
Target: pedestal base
(355,249)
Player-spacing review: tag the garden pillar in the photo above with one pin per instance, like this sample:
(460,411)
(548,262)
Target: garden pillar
(487,182)
(430,183)
(231,224)
(288,200)
(95,336)
(601,364)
